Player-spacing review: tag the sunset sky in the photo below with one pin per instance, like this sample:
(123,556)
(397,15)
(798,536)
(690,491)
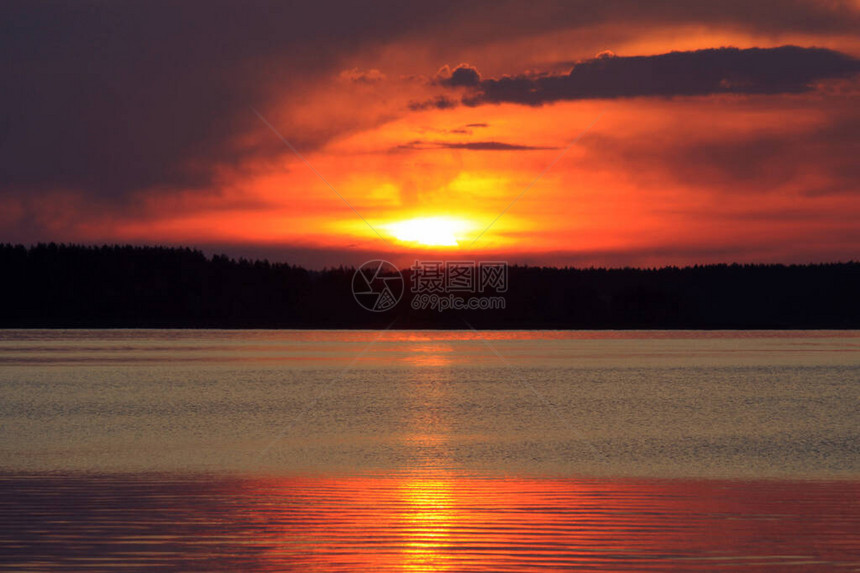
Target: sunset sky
(603,133)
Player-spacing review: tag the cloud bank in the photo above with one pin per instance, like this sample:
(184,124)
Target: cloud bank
(782,70)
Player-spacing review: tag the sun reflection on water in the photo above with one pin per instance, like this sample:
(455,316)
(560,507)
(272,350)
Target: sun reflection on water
(426,496)
(428,521)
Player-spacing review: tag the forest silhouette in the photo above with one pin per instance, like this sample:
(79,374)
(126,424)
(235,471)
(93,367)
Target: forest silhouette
(71,286)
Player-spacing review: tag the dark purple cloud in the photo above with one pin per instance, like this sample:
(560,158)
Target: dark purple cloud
(115,97)
(463,75)
(787,69)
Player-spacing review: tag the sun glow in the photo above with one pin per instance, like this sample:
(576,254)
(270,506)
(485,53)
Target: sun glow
(430,231)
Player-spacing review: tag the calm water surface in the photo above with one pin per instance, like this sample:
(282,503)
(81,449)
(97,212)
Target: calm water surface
(336,450)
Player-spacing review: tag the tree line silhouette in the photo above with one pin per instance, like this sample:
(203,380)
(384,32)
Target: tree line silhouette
(71,286)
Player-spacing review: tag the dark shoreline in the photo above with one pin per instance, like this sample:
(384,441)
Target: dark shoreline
(67,286)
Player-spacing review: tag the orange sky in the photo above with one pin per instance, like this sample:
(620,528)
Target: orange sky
(753,174)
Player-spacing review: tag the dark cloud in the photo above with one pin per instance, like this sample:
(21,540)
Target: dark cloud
(463,75)
(787,69)
(439,102)
(477,125)
(116,97)
(472,145)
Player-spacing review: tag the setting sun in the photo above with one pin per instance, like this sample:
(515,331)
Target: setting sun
(430,231)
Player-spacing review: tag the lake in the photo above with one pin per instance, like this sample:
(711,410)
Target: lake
(429,450)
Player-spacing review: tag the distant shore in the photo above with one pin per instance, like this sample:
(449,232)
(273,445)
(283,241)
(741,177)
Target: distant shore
(69,286)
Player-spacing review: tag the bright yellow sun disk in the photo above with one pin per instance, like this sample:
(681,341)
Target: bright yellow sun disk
(429,231)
